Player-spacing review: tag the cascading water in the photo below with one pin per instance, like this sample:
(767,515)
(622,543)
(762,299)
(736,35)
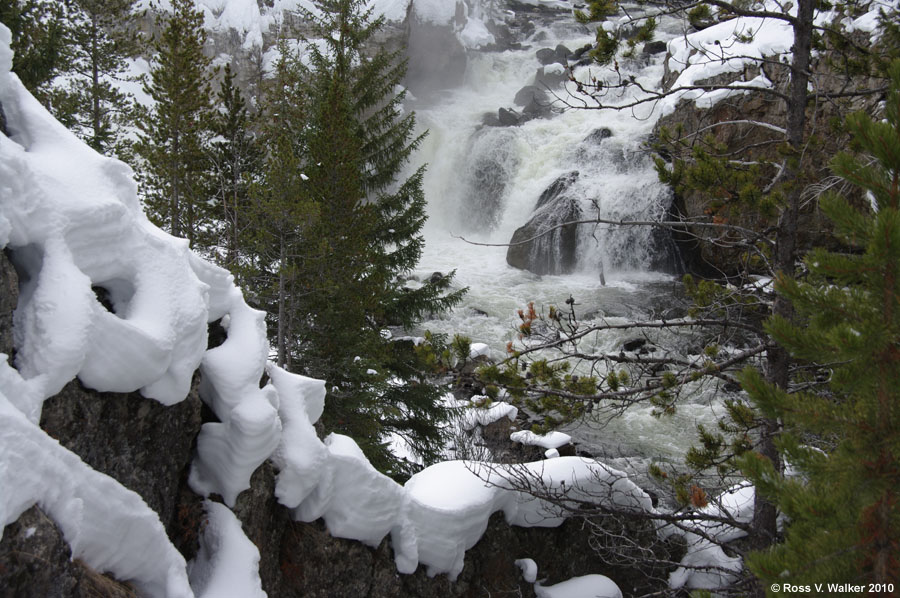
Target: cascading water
(485,181)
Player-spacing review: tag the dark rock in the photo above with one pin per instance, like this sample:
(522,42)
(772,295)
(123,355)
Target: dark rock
(508,118)
(531,94)
(490,119)
(580,52)
(435,278)
(657,47)
(634,344)
(546,56)
(597,136)
(36,562)
(557,251)
(143,444)
(545,78)
(9,296)
(316,565)
(437,59)
(562,53)
(479,312)
(264,521)
(556,188)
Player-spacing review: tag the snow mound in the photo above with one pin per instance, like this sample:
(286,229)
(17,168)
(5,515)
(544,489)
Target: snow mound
(551,440)
(227,564)
(587,586)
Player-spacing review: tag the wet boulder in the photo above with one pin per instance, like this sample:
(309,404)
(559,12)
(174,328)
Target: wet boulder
(556,251)
(508,118)
(546,56)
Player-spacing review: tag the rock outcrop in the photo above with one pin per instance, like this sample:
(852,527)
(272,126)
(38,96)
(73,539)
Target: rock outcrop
(556,251)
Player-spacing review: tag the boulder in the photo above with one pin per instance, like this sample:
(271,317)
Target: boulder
(561,54)
(546,56)
(597,136)
(656,47)
(508,118)
(556,252)
(531,94)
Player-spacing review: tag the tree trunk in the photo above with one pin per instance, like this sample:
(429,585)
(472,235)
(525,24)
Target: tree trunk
(778,361)
(282,300)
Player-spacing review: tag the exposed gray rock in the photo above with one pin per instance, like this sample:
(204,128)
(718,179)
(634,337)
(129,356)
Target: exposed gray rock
(562,54)
(655,47)
(9,296)
(549,78)
(555,252)
(36,562)
(531,94)
(597,136)
(316,565)
(546,56)
(144,445)
(437,59)
(508,118)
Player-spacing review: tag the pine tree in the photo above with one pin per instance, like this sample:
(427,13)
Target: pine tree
(235,155)
(100,41)
(39,38)
(367,235)
(174,133)
(281,217)
(842,505)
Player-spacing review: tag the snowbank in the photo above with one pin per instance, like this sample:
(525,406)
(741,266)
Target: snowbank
(587,586)
(551,440)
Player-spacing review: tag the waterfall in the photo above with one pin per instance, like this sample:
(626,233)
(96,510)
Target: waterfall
(486,177)
(485,181)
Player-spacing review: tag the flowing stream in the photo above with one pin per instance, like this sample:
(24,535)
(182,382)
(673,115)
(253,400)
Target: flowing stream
(483,183)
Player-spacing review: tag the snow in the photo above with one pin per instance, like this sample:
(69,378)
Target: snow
(437,12)
(108,526)
(706,566)
(529,569)
(71,220)
(551,453)
(479,349)
(551,440)
(227,564)
(587,586)
(485,416)
(720,49)
(475,34)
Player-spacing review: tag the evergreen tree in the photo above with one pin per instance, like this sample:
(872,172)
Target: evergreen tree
(281,216)
(174,133)
(101,39)
(235,156)
(842,506)
(367,235)
(39,38)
